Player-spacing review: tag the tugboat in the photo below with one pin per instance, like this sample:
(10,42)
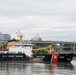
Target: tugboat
(17,51)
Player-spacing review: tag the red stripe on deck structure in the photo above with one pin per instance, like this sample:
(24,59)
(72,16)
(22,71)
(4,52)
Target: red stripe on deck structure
(54,58)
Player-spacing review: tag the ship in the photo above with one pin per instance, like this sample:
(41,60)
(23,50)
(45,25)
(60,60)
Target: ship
(16,50)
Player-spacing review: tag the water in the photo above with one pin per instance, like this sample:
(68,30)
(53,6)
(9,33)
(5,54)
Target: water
(38,68)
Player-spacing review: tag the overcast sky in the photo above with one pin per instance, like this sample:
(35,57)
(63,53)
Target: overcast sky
(51,19)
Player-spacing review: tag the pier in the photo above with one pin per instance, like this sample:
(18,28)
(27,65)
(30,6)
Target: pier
(63,46)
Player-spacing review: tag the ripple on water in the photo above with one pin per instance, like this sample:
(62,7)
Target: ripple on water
(36,69)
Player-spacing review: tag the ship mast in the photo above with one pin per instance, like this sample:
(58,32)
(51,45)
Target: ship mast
(20,37)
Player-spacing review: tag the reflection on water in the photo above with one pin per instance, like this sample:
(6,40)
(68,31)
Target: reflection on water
(36,69)
(62,69)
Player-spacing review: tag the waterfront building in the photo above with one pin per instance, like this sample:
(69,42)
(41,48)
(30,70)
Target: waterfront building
(5,36)
(1,36)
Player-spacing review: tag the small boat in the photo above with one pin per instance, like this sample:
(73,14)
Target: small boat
(16,51)
(54,56)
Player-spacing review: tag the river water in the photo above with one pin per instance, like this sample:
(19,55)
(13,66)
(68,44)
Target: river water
(38,68)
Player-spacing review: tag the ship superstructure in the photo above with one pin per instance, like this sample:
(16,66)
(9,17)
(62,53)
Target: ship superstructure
(17,51)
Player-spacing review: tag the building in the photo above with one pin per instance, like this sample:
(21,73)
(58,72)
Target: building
(36,38)
(5,36)
(1,36)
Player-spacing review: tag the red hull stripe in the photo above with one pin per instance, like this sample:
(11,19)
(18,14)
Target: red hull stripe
(54,58)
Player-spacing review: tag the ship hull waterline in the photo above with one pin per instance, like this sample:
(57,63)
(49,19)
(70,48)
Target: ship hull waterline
(53,58)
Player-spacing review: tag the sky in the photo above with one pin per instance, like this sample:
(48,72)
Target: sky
(51,19)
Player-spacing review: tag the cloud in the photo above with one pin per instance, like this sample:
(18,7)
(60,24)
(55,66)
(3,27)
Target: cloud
(51,19)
